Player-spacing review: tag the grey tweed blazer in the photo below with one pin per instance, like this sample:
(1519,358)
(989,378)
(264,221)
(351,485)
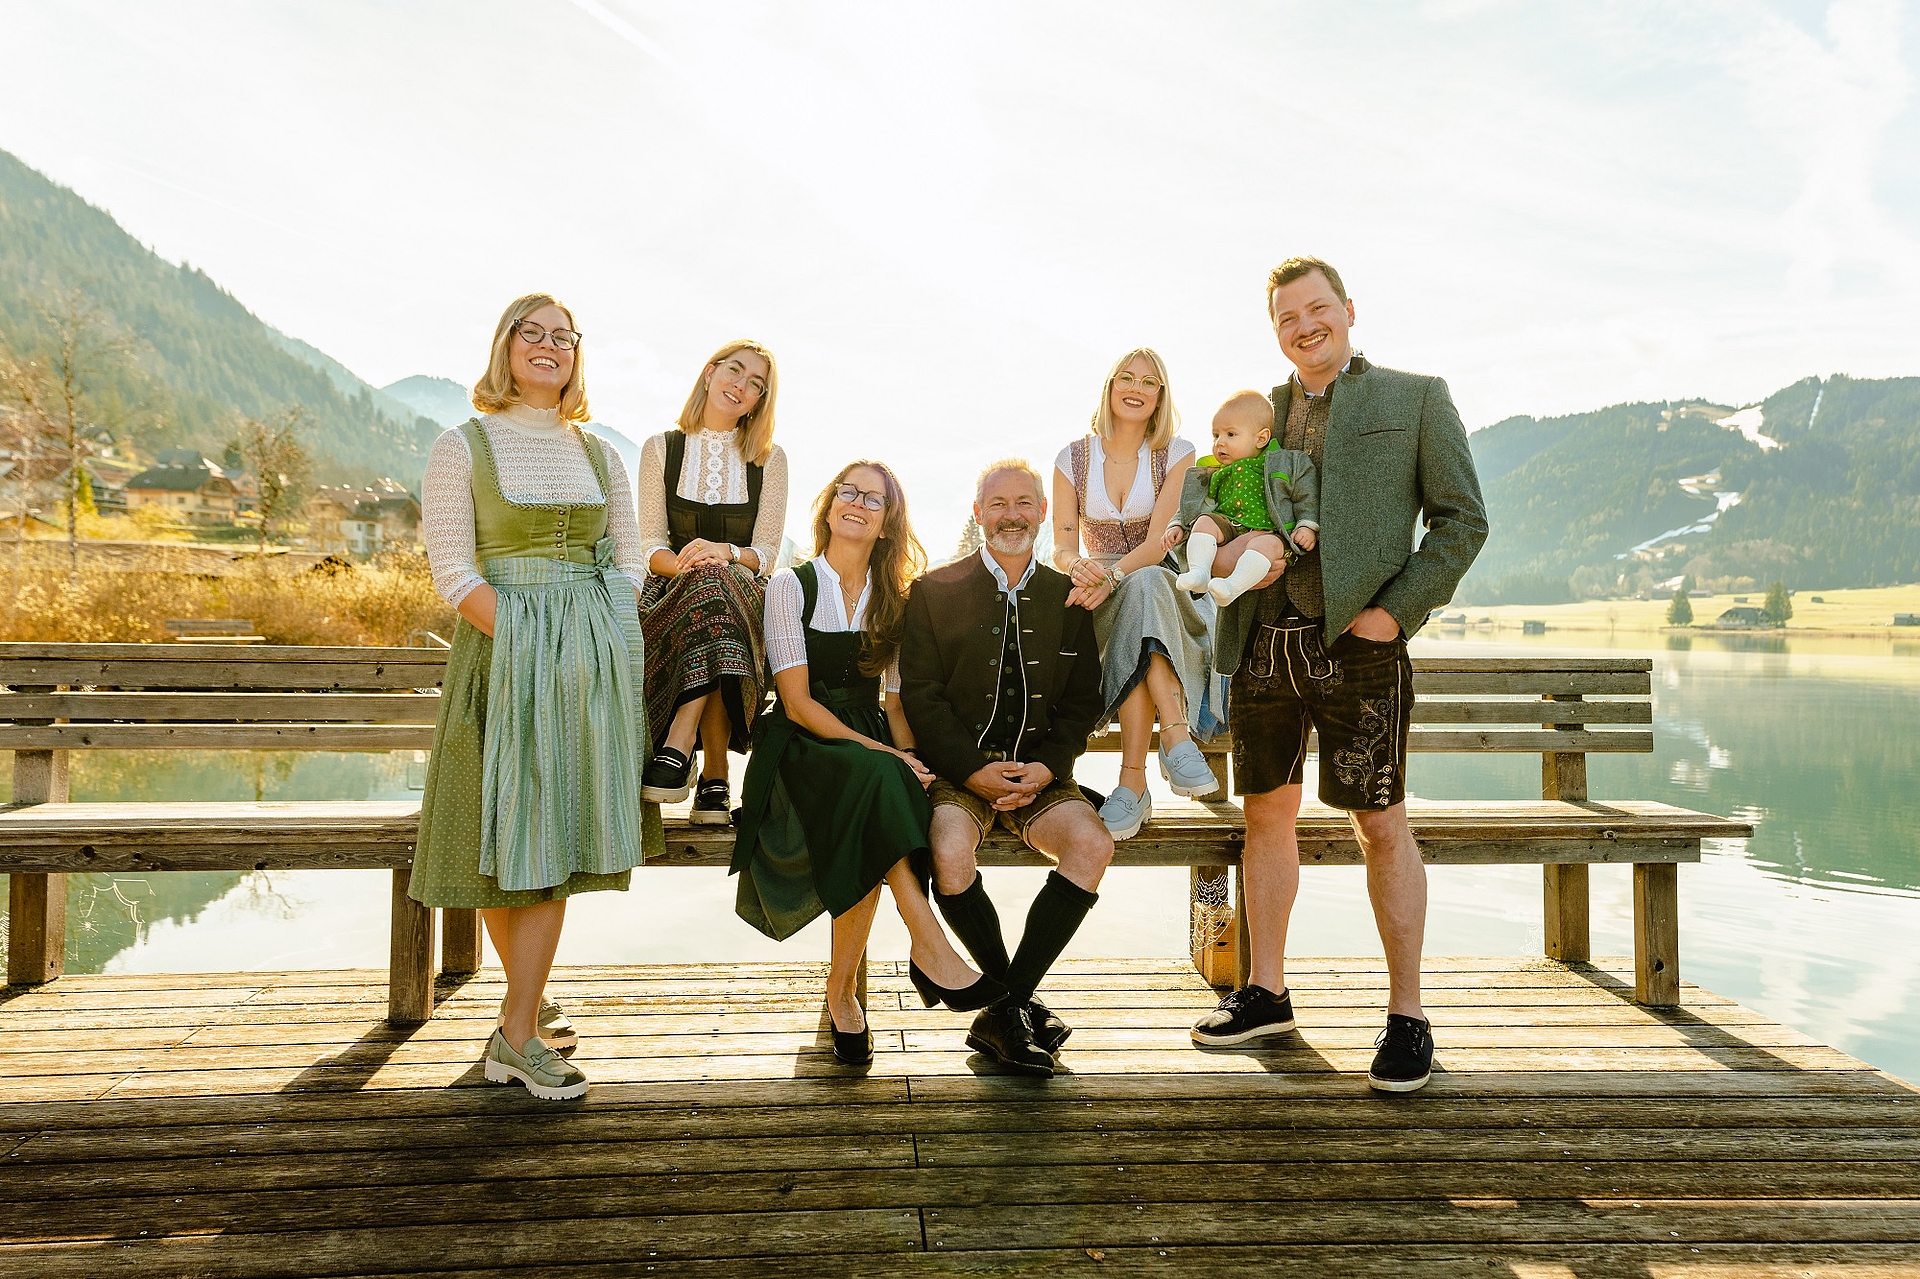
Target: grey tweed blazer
(1395,467)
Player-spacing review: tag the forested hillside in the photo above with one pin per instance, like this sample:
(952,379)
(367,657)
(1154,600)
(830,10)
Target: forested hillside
(201,358)
(1818,487)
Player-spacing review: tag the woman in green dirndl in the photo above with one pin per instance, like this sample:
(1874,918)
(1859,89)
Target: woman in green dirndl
(835,802)
(533,790)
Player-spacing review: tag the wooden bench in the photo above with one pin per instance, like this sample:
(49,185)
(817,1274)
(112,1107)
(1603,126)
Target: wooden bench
(66,697)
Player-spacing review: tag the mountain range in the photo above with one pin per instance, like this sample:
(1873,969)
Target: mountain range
(1817,485)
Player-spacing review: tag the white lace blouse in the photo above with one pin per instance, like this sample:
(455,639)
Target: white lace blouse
(712,472)
(1096,502)
(786,609)
(539,460)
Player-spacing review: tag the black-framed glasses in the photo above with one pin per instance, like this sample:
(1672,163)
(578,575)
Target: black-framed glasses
(532,334)
(849,494)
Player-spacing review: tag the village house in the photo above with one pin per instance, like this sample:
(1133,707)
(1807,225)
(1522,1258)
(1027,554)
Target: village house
(344,520)
(187,486)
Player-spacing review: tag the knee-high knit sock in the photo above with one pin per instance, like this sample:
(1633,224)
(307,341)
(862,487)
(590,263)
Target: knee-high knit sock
(1201,548)
(976,923)
(1051,924)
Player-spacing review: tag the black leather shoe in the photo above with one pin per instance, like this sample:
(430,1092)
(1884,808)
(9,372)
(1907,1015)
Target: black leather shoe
(1004,1032)
(1048,1030)
(979,995)
(712,805)
(668,778)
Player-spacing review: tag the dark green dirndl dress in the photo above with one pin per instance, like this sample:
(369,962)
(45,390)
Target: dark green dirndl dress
(822,822)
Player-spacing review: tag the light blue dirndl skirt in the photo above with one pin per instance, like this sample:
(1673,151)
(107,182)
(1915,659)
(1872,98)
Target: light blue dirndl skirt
(566,730)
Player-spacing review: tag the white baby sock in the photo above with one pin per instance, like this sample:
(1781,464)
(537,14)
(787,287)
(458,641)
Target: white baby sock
(1200,551)
(1252,567)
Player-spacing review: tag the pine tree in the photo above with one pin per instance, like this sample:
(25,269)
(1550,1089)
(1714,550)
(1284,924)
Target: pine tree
(1778,607)
(1680,612)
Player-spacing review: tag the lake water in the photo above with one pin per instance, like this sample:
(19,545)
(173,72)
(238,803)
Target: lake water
(1814,921)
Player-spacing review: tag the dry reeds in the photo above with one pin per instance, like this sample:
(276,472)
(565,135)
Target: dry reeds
(383,601)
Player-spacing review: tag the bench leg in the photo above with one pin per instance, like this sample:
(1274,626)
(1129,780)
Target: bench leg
(36,928)
(37,904)
(1656,934)
(459,942)
(1211,935)
(1566,913)
(410,965)
(1242,944)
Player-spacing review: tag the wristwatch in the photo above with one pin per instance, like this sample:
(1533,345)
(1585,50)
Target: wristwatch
(733,553)
(1118,575)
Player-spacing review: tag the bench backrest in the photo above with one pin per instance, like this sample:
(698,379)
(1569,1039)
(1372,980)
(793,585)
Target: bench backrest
(203,696)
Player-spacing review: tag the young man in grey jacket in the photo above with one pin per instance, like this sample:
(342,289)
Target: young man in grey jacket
(1324,646)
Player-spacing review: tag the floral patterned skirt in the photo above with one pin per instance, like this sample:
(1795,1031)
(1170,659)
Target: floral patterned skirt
(704,631)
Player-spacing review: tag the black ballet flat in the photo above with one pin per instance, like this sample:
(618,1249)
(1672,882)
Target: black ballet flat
(979,995)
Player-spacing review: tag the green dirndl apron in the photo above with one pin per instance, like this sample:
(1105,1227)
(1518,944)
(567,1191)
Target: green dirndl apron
(822,822)
(533,789)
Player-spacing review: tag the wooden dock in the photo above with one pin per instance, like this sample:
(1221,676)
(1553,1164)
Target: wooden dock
(273,1124)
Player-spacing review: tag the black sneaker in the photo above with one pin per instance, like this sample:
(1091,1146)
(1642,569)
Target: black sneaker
(712,805)
(1252,1012)
(668,778)
(1405,1059)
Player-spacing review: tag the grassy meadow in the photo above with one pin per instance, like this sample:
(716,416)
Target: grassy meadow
(1864,609)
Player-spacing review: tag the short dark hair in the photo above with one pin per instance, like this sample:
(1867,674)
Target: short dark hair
(1294,268)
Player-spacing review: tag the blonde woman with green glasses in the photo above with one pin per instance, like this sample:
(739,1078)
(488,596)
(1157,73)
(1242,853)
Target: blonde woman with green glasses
(533,791)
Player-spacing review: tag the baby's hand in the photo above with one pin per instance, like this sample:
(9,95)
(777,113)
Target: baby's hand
(1172,537)
(1304,538)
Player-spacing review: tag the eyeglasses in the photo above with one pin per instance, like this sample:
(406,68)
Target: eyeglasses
(733,369)
(532,334)
(849,494)
(1147,383)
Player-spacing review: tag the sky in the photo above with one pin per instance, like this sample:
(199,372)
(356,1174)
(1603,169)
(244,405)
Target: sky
(948,221)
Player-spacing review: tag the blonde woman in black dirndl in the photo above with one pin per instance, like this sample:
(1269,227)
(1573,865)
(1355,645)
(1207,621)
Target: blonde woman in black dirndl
(713,508)
(533,791)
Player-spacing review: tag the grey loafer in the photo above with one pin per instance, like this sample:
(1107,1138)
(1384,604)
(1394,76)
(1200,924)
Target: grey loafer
(1186,770)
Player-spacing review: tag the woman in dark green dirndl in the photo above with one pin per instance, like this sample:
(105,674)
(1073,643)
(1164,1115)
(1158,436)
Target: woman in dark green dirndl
(834,801)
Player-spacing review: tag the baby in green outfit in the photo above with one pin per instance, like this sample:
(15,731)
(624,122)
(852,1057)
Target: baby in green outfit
(1232,519)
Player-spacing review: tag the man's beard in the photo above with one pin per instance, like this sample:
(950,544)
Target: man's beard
(1011,539)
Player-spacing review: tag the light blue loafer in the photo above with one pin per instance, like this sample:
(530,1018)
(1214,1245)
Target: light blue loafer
(1124,813)
(1185,769)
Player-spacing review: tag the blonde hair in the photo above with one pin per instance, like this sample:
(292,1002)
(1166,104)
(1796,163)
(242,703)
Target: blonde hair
(754,435)
(1019,464)
(1249,402)
(895,562)
(1165,419)
(496,390)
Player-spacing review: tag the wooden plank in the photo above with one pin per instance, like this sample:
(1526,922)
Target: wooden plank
(410,966)
(419,669)
(16,652)
(213,737)
(1526,741)
(1412,1221)
(343,707)
(1656,934)
(1529,683)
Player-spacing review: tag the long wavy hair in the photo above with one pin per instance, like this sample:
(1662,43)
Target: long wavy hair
(754,435)
(898,558)
(496,390)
